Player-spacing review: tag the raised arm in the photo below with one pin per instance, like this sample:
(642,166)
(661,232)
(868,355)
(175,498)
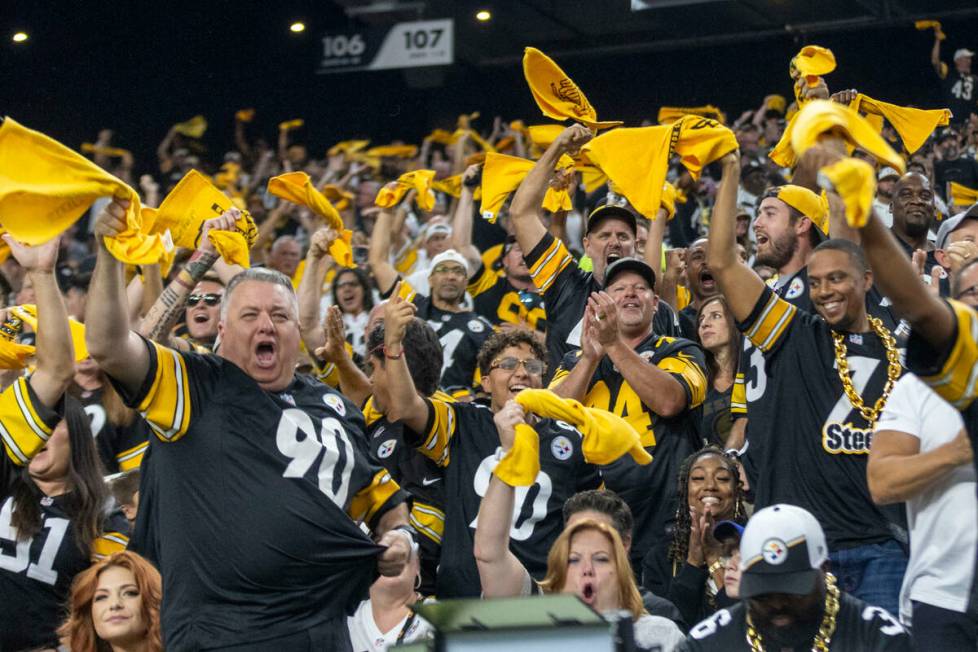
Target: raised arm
(500,572)
(406,405)
(379,254)
(166,310)
(163,151)
(525,211)
(462,223)
(935,56)
(740,285)
(897,280)
(310,291)
(354,384)
(55,353)
(119,351)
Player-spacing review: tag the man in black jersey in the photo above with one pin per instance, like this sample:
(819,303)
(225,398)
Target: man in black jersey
(959,86)
(462,438)
(505,296)
(653,381)
(830,374)
(251,501)
(609,235)
(789,601)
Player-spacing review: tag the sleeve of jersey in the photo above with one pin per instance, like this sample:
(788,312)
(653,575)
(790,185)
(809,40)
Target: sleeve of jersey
(738,397)
(428,520)
(483,281)
(548,261)
(688,367)
(953,372)
(435,442)
(114,537)
(135,443)
(768,322)
(567,365)
(375,499)
(25,422)
(165,399)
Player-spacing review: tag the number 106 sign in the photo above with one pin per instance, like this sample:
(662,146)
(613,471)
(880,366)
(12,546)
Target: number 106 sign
(404,45)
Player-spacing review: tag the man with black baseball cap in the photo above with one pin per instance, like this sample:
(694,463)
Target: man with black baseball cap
(608,236)
(654,382)
(788,601)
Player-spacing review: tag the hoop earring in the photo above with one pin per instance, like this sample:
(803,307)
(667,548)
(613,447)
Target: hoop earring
(417,581)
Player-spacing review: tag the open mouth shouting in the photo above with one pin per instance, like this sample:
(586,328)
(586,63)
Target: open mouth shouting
(265,354)
(588,593)
(707,282)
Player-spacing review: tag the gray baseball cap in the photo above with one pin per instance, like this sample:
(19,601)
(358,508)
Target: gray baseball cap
(954,222)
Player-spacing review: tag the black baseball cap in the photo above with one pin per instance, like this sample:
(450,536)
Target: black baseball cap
(636,265)
(614,207)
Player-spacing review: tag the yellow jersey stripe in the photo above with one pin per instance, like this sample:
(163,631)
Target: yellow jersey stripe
(108,544)
(371,498)
(690,372)
(551,263)
(558,378)
(957,381)
(167,404)
(738,395)
(775,317)
(22,430)
(436,443)
(486,281)
(132,458)
(429,521)
(31,417)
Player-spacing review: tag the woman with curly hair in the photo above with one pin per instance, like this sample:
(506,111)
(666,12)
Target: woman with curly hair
(115,607)
(709,490)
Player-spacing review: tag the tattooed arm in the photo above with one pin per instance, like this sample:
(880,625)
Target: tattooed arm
(166,311)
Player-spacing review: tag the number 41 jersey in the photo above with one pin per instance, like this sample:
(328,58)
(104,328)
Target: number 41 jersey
(251,501)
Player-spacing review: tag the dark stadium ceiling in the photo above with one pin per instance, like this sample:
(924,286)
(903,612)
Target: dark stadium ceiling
(568,28)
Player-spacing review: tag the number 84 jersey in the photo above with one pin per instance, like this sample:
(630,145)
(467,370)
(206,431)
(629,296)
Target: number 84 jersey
(462,438)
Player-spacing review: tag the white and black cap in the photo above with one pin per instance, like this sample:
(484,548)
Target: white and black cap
(781,551)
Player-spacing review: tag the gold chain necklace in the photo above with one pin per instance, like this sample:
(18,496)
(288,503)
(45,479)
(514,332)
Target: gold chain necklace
(825,629)
(870,414)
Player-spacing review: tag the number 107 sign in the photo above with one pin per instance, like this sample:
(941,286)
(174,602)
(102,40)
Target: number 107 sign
(404,45)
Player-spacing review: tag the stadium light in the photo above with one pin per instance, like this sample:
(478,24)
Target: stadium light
(20,37)
(297,27)
(483,15)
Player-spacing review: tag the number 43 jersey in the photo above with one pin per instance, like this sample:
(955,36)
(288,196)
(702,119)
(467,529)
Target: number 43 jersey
(462,438)
(251,502)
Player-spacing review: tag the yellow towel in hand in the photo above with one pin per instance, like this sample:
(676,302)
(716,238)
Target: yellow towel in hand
(194,127)
(297,188)
(914,125)
(502,174)
(556,94)
(420,180)
(855,182)
(819,117)
(521,464)
(962,195)
(607,436)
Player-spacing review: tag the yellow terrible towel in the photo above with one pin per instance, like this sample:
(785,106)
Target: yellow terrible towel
(607,436)
(855,182)
(914,125)
(556,94)
(419,180)
(297,188)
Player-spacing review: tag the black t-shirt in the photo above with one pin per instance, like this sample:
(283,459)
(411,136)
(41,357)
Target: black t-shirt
(811,449)
(250,500)
(461,335)
(496,299)
(858,627)
(462,438)
(649,490)
(963,170)
(566,288)
(716,422)
(961,95)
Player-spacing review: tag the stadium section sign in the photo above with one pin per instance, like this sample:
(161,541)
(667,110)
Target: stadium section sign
(404,45)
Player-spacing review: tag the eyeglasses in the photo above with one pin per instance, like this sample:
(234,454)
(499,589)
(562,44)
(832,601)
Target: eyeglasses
(533,366)
(208,299)
(449,269)
(967,292)
(346,284)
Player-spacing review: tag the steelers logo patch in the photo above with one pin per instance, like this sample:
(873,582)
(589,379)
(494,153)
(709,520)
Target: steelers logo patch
(476,326)
(335,402)
(795,289)
(385,449)
(561,448)
(774,551)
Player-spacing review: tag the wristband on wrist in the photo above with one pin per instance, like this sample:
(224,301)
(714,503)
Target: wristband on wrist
(411,534)
(388,355)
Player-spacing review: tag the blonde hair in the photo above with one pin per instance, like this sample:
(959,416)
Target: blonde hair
(628,596)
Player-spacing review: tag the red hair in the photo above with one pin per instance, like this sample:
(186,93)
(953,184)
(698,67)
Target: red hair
(78,631)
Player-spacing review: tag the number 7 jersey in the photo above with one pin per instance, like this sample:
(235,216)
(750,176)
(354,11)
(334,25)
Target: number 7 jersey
(252,500)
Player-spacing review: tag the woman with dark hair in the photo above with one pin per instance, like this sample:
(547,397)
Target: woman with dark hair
(57,522)
(353,295)
(115,607)
(722,343)
(52,497)
(709,491)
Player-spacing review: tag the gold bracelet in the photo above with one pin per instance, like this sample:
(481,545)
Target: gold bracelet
(715,566)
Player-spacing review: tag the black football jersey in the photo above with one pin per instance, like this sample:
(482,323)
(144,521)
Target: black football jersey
(121,447)
(36,573)
(462,438)
(811,448)
(250,501)
(461,335)
(495,298)
(858,626)
(649,490)
(565,288)
(418,476)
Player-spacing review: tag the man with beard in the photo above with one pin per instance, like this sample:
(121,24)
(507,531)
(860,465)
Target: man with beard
(912,208)
(609,235)
(831,370)
(788,601)
(506,297)
(652,381)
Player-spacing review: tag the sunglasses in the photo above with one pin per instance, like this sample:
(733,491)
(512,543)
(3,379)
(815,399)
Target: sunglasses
(208,299)
(533,366)
(445,269)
